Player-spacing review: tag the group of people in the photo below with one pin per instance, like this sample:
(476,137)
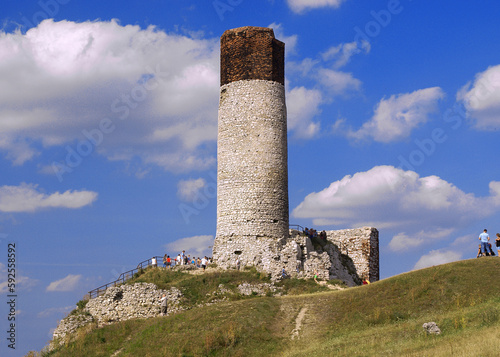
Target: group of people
(312,233)
(485,248)
(183,259)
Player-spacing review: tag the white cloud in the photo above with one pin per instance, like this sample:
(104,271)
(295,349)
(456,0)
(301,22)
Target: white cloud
(55,310)
(27,198)
(437,257)
(188,190)
(482,99)
(387,197)
(69,283)
(341,54)
(197,246)
(61,79)
(302,107)
(299,6)
(397,116)
(403,242)
(337,82)
(22,282)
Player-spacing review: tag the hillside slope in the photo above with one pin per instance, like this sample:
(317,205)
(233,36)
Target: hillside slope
(381,319)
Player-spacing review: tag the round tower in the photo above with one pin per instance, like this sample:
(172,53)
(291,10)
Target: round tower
(252,172)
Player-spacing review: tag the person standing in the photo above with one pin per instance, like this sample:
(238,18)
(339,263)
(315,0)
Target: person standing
(153,262)
(497,242)
(204,263)
(163,305)
(165,261)
(485,247)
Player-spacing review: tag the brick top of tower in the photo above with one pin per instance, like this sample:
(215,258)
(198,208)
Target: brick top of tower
(251,53)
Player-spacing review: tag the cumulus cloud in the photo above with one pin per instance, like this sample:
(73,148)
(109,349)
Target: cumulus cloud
(22,282)
(404,242)
(188,190)
(342,53)
(157,92)
(396,117)
(481,98)
(437,257)
(337,82)
(197,245)
(28,198)
(69,283)
(302,106)
(388,197)
(299,6)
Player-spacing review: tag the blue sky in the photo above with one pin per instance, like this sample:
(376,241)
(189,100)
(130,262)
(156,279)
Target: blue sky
(108,127)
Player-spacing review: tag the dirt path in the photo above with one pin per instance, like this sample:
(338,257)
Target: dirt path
(298,323)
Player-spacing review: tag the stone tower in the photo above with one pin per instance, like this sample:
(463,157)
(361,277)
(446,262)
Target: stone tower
(252,172)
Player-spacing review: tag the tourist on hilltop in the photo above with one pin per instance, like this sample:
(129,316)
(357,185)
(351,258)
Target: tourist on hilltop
(306,231)
(183,254)
(153,262)
(165,261)
(169,262)
(322,235)
(163,305)
(178,259)
(484,238)
(497,242)
(479,254)
(491,249)
(198,262)
(204,262)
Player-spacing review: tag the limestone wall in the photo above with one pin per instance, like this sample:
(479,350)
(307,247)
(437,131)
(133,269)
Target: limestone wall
(362,246)
(252,182)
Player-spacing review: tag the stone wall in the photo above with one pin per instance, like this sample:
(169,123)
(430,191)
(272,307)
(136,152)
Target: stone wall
(252,182)
(120,303)
(362,246)
(348,255)
(252,171)
(251,53)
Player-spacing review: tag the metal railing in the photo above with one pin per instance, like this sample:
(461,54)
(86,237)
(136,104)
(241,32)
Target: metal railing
(124,276)
(296,227)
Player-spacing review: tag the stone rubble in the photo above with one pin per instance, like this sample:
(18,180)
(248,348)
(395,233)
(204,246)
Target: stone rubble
(263,289)
(431,328)
(127,302)
(70,324)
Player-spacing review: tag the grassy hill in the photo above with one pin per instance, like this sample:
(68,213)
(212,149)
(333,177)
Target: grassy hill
(381,319)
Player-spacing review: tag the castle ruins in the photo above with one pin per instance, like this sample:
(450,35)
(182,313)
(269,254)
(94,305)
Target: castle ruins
(252,173)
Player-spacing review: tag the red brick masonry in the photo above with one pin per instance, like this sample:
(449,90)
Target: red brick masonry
(251,53)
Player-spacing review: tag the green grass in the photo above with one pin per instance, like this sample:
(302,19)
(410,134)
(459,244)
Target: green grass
(381,319)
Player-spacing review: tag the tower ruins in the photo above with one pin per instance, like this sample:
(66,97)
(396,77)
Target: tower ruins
(252,173)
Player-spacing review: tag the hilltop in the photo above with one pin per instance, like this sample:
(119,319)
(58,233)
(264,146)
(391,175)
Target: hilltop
(381,319)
